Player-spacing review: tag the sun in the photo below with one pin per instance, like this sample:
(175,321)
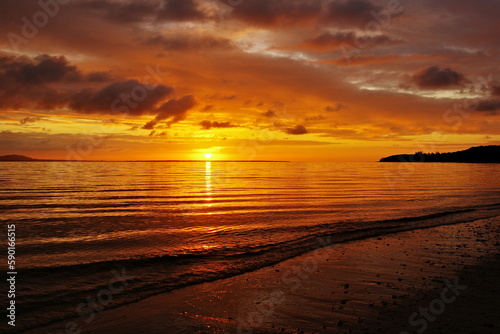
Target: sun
(208,155)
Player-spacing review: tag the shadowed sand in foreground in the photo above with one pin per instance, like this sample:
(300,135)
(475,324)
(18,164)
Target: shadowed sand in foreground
(445,279)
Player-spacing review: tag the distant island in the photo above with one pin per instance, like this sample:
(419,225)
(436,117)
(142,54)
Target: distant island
(478,154)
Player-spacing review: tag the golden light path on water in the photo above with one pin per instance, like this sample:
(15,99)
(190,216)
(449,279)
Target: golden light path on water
(208,184)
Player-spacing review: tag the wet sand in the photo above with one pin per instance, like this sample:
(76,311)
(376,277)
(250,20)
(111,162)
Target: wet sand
(444,278)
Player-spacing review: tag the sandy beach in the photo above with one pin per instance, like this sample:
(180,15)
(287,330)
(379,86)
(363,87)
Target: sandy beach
(435,280)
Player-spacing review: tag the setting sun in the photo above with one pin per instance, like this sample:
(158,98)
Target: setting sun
(208,156)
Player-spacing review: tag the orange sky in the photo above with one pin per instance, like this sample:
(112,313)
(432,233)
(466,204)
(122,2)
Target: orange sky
(310,80)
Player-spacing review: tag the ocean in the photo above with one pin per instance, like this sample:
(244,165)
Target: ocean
(166,225)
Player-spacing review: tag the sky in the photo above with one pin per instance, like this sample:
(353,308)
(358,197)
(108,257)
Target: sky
(298,80)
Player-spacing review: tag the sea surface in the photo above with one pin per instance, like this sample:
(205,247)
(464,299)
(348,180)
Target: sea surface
(166,225)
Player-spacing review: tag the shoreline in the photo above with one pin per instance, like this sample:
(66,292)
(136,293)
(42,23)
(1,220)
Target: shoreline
(336,289)
(87,302)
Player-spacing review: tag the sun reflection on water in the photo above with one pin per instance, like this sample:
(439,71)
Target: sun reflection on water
(208,183)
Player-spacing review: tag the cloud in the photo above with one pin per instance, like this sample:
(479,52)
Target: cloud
(129,96)
(207,125)
(189,42)
(122,12)
(40,70)
(328,41)
(269,113)
(297,130)
(207,107)
(378,59)
(99,77)
(277,12)
(435,77)
(29,120)
(351,12)
(180,10)
(336,107)
(341,13)
(126,12)
(315,118)
(26,82)
(495,89)
(489,106)
(175,109)
(41,82)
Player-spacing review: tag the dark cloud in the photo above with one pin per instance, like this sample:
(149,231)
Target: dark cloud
(175,110)
(297,130)
(29,82)
(269,113)
(351,12)
(315,118)
(207,125)
(26,82)
(495,89)
(29,120)
(435,77)
(127,12)
(180,10)
(41,69)
(374,59)
(480,17)
(490,107)
(336,107)
(99,77)
(130,96)
(277,12)
(123,12)
(330,41)
(189,42)
(207,107)
(36,82)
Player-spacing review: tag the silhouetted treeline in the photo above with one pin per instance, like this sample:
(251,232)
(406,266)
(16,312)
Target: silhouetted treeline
(483,154)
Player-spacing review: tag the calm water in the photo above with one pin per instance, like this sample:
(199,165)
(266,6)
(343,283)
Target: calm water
(175,224)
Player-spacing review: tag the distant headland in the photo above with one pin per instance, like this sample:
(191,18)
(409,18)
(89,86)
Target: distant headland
(15,157)
(478,154)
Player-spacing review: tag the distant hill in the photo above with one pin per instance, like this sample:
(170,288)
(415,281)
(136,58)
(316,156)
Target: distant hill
(478,154)
(15,157)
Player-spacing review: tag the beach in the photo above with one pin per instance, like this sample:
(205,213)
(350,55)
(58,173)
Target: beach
(444,278)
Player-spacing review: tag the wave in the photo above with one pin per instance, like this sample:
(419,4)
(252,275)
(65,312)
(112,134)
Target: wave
(55,299)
